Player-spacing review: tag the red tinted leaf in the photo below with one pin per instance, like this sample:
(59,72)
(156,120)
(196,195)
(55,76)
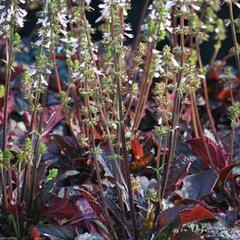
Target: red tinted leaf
(218,155)
(224,94)
(34,233)
(141,162)
(27,118)
(18,69)
(67,147)
(214,71)
(188,116)
(58,57)
(165,217)
(197,213)
(98,136)
(13,207)
(199,185)
(183,214)
(166,232)
(10,107)
(74,209)
(93,203)
(184,173)
(137,149)
(226,171)
(61,208)
(52,116)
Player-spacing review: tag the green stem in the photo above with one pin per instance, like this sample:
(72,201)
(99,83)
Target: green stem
(158,173)
(9,60)
(6,175)
(237,57)
(234,36)
(116,58)
(36,158)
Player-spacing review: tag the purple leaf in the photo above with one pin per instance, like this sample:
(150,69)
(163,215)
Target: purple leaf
(56,232)
(217,153)
(104,160)
(199,185)
(52,116)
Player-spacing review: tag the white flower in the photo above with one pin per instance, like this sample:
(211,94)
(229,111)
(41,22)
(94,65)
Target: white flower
(43,81)
(48,71)
(98,71)
(88,2)
(43,21)
(105,10)
(69,40)
(169,5)
(75,74)
(20,14)
(129,35)
(10,13)
(184,9)
(175,63)
(153,14)
(63,19)
(32,71)
(197,8)
(237,4)
(2,17)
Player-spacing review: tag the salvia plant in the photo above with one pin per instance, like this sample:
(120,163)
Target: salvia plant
(111,129)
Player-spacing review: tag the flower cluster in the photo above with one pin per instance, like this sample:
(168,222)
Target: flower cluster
(11,14)
(158,22)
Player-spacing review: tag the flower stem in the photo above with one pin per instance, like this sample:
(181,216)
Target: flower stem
(176,109)
(122,132)
(237,57)
(234,35)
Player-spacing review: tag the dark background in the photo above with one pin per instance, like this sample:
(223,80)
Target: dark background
(133,19)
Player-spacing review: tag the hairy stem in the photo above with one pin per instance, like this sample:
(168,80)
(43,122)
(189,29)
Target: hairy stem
(116,59)
(234,35)
(237,57)
(176,109)
(6,174)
